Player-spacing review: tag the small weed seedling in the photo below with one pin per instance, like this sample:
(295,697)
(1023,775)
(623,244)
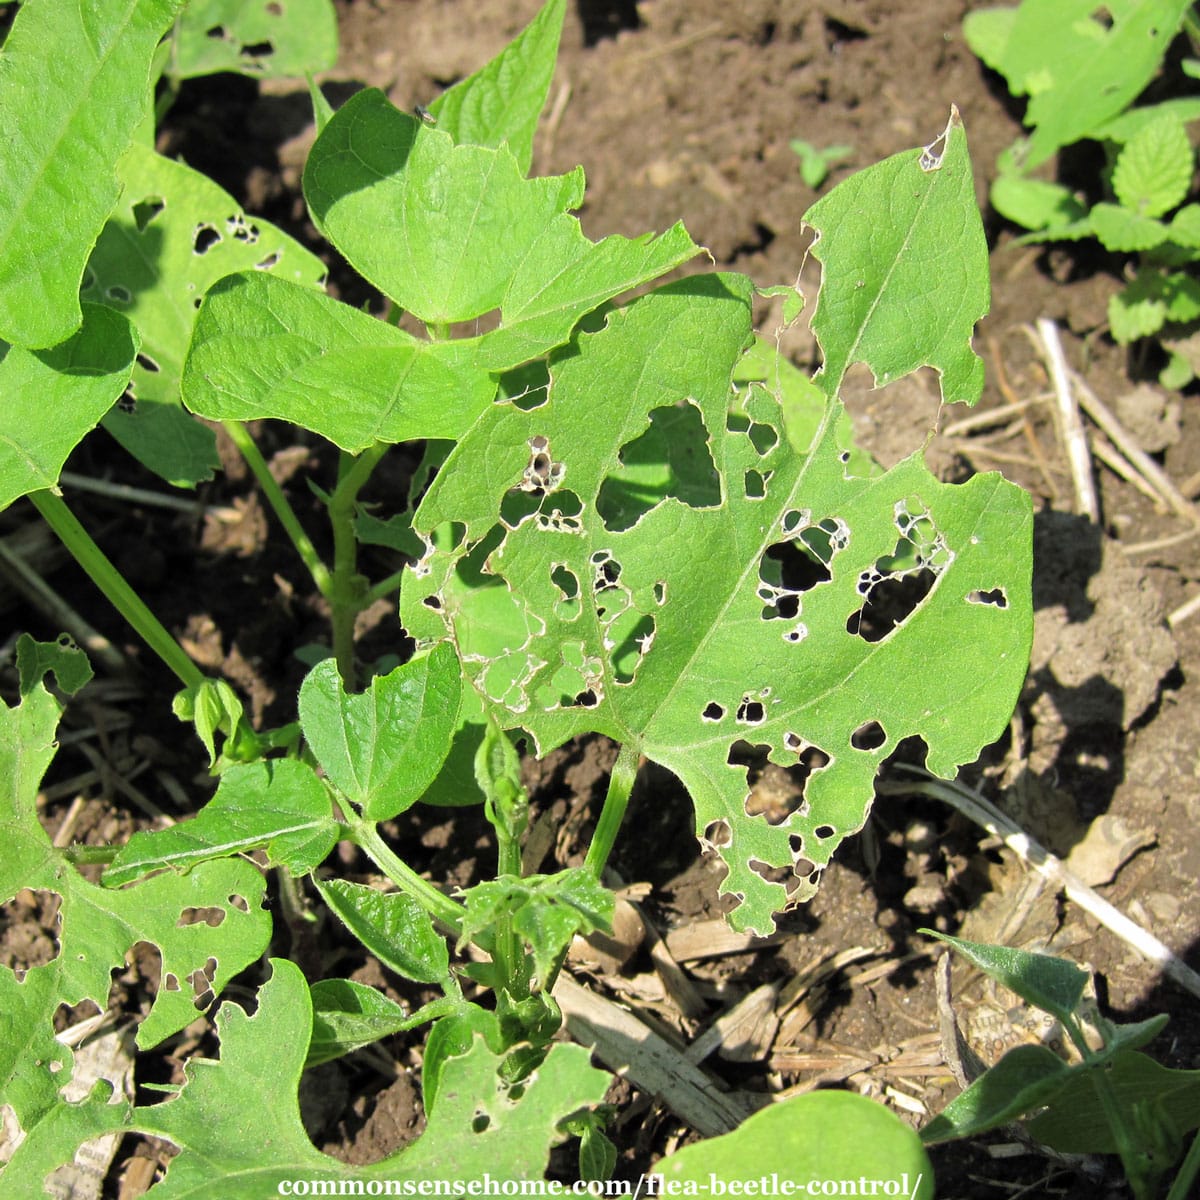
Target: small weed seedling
(1082,72)
(815,162)
(633,520)
(1114,1100)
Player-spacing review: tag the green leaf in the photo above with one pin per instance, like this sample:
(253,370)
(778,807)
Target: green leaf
(451,1037)
(37,659)
(260,38)
(453,232)
(1185,227)
(882,236)
(1126,126)
(1078,70)
(74,85)
(808,1140)
(263,347)
(1051,984)
(500,104)
(278,806)
(174,234)
(99,927)
(1035,204)
(1154,169)
(50,399)
(1140,310)
(546,910)
(1076,1123)
(393,926)
(348,1016)
(384,747)
(213,707)
(697,635)
(1026,1078)
(1125,231)
(237,1123)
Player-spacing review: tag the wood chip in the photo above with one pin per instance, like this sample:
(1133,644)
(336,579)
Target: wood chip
(713,939)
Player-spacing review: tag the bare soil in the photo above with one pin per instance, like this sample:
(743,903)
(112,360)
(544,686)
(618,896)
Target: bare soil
(684,109)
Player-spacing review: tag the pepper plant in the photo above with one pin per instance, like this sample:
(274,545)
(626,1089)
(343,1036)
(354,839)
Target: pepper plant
(633,520)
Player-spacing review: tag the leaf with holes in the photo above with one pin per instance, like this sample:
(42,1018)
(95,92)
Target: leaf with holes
(883,236)
(173,235)
(260,38)
(74,85)
(236,1120)
(744,605)
(98,927)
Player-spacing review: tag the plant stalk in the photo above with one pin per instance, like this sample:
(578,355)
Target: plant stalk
(112,583)
(616,799)
(245,444)
(444,910)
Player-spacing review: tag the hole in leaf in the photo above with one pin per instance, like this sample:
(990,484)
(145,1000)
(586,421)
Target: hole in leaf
(631,635)
(216,32)
(144,211)
(892,600)
(267,263)
(433,602)
(763,438)
(824,831)
(751,712)
(241,230)
(119,294)
(660,593)
(275,9)
(869,736)
(773,792)
(239,902)
(201,980)
(518,505)
(569,607)
(671,458)
(147,364)
(207,236)
(39,911)
(170,983)
(756,485)
(586,699)
(997,597)
(717,833)
(210,916)
(257,50)
(712,712)
(769,873)
(480,1122)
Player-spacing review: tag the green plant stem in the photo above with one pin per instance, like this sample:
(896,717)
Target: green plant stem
(1181,1189)
(112,583)
(385,587)
(444,910)
(616,799)
(280,506)
(82,855)
(348,590)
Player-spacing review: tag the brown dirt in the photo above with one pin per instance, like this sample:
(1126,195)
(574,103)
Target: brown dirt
(684,109)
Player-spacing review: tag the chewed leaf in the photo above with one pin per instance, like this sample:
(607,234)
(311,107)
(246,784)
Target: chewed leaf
(236,1119)
(174,234)
(790,614)
(904,269)
(454,232)
(260,38)
(99,927)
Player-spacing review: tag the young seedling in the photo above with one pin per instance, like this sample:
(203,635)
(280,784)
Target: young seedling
(631,520)
(816,162)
